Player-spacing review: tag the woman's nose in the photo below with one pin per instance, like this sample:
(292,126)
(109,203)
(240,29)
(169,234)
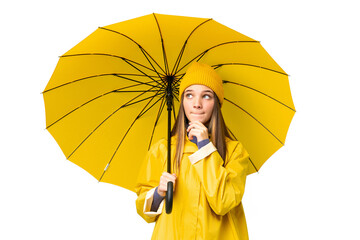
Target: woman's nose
(197,103)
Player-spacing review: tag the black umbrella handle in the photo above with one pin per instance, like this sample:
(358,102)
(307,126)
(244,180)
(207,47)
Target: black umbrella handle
(170,186)
(169,197)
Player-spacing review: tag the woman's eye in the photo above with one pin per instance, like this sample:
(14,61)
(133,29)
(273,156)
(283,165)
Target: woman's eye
(189,95)
(207,96)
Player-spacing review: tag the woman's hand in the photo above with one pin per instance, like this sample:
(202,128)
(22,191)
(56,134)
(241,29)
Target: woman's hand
(198,130)
(164,179)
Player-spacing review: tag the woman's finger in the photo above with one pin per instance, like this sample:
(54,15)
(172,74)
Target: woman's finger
(169,177)
(194,132)
(197,124)
(200,133)
(164,179)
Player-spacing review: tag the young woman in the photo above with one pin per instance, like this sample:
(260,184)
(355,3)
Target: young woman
(209,168)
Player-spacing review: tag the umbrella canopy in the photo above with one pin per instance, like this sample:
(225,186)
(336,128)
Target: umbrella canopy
(106,100)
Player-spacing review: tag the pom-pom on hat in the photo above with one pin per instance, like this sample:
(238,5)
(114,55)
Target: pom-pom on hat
(200,73)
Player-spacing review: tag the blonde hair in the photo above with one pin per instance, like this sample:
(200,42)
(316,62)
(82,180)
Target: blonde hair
(217,131)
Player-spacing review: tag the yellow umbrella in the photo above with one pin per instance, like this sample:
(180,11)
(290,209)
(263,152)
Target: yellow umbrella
(106,100)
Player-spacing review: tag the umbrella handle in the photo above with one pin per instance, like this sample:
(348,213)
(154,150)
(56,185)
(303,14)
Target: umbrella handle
(169,197)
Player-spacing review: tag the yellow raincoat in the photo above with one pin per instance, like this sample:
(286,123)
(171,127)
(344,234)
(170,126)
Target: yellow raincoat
(207,198)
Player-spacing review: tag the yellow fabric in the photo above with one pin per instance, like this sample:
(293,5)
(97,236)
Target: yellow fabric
(200,73)
(207,198)
(202,153)
(148,202)
(103,102)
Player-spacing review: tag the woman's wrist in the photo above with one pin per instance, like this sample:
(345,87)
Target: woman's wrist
(159,192)
(202,143)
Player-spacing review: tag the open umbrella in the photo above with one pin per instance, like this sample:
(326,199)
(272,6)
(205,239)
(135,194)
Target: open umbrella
(107,98)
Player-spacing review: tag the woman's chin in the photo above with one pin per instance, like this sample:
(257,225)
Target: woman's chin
(196,118)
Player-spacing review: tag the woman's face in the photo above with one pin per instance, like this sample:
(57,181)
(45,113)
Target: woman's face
(198,103)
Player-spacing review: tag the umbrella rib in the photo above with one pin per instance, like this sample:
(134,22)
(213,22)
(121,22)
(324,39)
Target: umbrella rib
(176,86)
(173,108)
(211,48)
(87,102)
(175,92)
(178,60)
(120,91)
(128,61)
(163,47)
(97,127)
(253,89)
(161,108)
(117,148)
(144,52)
(143,83)
(255,120)
(101,75)
(140,115)
(253,164)
(233,135)
(180,76)
(250,65)
(152,64)
(141,100)
(160,83)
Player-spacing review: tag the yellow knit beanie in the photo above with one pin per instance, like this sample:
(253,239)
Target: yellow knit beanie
(200,73)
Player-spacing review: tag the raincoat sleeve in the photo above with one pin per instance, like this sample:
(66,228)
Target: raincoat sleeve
(223,186)
(148,180)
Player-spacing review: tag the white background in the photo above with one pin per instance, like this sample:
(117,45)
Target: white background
(308,190)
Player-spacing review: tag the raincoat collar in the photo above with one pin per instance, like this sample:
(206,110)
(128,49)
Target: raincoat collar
(189,147)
